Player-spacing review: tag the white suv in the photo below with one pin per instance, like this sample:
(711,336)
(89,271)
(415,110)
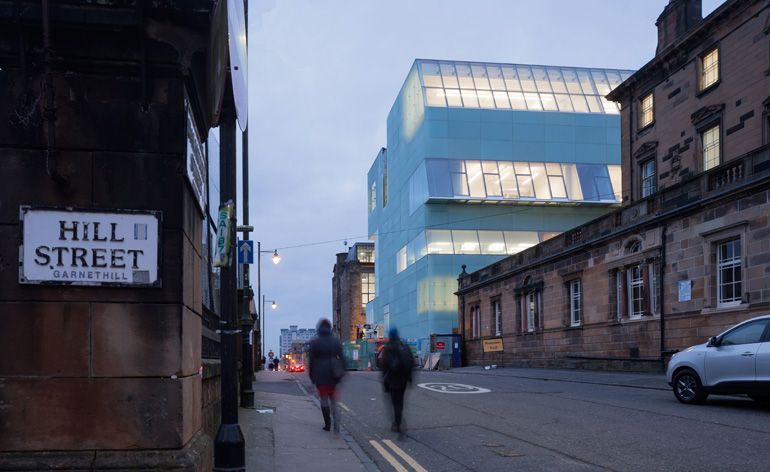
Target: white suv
(736,361)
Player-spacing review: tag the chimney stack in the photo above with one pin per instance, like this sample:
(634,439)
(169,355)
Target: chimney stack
(679,17)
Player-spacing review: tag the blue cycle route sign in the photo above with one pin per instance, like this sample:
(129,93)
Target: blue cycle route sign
(246,252)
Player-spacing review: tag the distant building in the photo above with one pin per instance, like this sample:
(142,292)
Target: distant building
(288,336)
(483,160)
(352,288)
(688,254)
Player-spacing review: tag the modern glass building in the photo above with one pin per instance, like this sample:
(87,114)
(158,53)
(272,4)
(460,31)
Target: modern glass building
(482,161)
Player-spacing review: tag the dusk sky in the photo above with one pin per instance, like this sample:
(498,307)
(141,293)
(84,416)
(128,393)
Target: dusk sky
(323,75)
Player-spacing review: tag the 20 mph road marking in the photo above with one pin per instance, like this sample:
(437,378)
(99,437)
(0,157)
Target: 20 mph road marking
(388,456)
(409,460)
(452,388)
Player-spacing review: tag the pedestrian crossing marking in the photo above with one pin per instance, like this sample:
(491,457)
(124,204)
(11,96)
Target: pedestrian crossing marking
(345,407)
(409,460)
(388,456)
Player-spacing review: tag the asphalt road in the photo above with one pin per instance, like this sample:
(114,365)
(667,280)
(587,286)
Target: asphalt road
(579,423)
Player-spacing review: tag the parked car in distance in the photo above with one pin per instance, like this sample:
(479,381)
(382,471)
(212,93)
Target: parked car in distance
(297,368)
(734,362)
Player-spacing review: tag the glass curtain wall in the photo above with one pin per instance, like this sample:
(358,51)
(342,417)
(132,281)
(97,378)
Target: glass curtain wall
(519,87)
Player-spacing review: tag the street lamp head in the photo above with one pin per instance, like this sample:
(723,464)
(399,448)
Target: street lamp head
(276,258)
(274,305)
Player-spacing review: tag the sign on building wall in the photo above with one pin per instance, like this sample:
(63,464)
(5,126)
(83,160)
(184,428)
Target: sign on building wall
(82,247)
(196,160)
(493,345)
(685,290)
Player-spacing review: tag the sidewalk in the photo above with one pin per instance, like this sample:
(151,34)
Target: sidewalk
(284,432)
(620,379)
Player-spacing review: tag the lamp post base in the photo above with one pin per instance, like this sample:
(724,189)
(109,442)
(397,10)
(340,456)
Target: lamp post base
(229,449)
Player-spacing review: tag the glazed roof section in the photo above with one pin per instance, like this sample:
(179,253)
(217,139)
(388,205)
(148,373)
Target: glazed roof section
(519,86)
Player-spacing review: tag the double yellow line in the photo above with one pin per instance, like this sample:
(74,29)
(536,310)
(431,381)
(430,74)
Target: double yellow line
(400,452)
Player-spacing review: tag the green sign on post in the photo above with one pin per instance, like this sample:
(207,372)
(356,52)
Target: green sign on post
(224,226)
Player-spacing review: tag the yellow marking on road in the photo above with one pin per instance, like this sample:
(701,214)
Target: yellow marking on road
(345,407)
(409,460)
(388,456)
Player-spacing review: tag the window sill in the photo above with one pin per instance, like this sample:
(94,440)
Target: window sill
(708,89)
(575,327)
(725,309)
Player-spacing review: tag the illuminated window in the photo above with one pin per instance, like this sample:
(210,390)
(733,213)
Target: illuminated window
(648,178)
(518,87)
(646,111)
(367,288)
(710,140)
(709,69)
(365,253)
(466,242)
(531,309)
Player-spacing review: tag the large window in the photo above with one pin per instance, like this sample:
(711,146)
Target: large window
(498,314)
(729,275)
(365,253)
(367,288)
(646,111)
(401,260)
(709,69)
(648,178)
(710,142)
(635,286)
(519,87)
(575,303)
(530,181)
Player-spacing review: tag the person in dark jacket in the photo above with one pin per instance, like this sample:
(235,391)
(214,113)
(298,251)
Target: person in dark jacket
(397,366)
(326,367)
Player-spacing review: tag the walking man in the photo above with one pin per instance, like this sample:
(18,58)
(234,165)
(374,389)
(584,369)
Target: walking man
(326,369)
(397,366)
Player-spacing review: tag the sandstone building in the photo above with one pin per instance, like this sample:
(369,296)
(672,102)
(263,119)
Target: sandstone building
(352,289)
(688,253)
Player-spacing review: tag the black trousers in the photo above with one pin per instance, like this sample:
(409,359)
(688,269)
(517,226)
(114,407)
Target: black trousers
(397,399)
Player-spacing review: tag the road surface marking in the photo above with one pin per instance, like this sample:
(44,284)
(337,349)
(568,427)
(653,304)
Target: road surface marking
(345,407)
(388,456)
(452,388)
(415,465)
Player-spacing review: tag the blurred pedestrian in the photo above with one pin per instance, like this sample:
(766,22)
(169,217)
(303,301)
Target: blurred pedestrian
(326,367)
(264,362)
(275,364)
(397,366)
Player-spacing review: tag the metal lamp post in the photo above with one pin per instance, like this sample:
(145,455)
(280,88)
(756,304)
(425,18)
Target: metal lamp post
(276,259)
(273,305)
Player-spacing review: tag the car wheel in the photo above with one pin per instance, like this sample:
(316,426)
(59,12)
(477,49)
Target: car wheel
(688,388)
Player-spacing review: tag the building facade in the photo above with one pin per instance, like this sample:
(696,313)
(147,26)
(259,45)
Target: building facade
(291,335)
(483,160)
(352,288)
(688,254)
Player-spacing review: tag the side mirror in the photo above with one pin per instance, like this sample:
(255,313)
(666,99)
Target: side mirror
(714,341)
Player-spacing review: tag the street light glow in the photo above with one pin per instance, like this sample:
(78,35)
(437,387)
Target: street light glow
(276,258)
(274,306)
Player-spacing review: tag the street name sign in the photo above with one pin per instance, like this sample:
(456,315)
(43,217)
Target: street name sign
(245,252)
(84,247)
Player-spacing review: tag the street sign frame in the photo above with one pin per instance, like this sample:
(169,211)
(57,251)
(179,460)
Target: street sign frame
(249,250)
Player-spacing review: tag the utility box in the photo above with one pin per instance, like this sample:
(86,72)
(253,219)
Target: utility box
(449,348)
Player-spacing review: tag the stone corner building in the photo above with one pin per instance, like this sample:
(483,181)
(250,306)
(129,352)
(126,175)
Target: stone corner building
(352,289)
(688,253)
(102,104)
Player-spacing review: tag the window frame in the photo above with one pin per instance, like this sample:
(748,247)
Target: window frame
(575,302)
(633,284)
(702,87)
(475,321)
(641,123)
(497,316)
(530,305)
(648,181)
(736,265)
(703,131)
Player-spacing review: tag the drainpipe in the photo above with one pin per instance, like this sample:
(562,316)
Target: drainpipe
(49,112)
(661,298)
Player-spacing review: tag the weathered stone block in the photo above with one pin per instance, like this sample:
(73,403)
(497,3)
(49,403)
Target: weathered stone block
(44,339)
